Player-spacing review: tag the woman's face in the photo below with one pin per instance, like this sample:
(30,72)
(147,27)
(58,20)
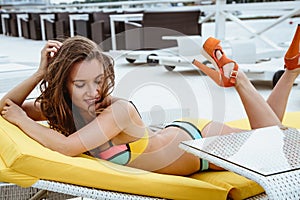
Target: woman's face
(84,84)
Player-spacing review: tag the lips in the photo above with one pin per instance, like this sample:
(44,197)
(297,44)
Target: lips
(92,101)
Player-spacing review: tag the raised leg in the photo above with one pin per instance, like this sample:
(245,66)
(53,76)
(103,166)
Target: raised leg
(259,112)
(279,97)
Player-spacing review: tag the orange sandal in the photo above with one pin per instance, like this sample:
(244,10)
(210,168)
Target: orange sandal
(292,56)
(210,47)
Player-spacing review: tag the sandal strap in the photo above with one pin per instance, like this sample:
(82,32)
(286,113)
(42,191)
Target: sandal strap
(234,73)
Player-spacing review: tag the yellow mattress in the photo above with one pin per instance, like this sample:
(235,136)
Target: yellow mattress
(24,161)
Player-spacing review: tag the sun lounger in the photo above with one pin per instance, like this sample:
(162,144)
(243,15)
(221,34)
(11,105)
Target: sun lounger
(26,163)
(258,66)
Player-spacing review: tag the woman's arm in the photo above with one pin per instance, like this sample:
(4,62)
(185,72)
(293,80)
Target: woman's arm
(119,123)
(119,119)
(42,134)
(21,91)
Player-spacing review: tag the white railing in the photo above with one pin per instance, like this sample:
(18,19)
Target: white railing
(221,12)
(102,5)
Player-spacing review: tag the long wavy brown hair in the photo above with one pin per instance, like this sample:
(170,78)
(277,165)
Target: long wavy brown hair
(56,103)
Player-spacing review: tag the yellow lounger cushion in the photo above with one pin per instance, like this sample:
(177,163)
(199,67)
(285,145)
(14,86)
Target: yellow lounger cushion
(291,119)
(238,186)
(7,175)
(25,156)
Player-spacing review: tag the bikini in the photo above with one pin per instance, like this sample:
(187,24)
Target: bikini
(195,133)
(122,154)
(126,153)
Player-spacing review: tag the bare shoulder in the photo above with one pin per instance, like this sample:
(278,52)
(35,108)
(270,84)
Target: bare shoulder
(121,113)
(123,105)
(127,108)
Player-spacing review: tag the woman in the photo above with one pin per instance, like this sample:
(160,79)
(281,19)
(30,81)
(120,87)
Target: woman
(77,81)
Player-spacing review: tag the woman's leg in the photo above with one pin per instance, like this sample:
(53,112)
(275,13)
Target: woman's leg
(279,97)
(260,114)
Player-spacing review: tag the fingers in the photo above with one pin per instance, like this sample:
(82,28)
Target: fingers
(8,103)
(51,48)
(54,46)
(9,108)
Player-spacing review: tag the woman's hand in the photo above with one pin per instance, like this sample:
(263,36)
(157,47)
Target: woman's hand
(13,113)
(49,50)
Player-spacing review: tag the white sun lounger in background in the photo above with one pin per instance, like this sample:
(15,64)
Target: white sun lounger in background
(258,65)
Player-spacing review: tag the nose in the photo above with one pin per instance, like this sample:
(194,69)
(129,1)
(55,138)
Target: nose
(93,90)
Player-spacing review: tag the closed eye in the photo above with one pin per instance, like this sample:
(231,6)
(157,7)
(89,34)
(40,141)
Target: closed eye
(79,84)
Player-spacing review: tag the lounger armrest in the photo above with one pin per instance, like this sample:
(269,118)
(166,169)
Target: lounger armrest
(131,25)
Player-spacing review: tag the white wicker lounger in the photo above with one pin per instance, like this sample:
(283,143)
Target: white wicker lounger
(44,189)
(101,194)
(86,192)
